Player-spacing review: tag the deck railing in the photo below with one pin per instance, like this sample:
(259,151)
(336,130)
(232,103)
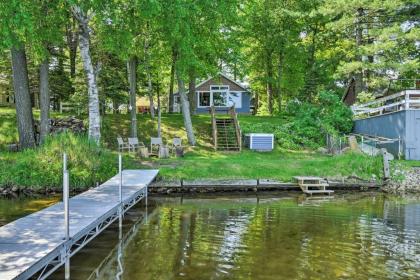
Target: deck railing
(234,116)
(405,100)
(214,125)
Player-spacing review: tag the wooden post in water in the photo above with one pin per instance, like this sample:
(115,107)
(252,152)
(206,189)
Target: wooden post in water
(66,221)
(387,173)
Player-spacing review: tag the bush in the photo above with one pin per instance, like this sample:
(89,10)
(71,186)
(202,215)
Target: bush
(306,124)
(42,166)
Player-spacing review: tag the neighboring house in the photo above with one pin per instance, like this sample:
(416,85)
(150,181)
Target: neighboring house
(143,104)
(219,91)
(6,99)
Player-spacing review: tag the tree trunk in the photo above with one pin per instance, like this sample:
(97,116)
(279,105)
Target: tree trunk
(358,76)
(159,128)
(171,83)
(150,93)
(185,110)
(132,68)
(256,103)
(84,45)
(311,83)
(279,78)
(22,98)
(44,99)
(269,69)
(72,41)
(191,92)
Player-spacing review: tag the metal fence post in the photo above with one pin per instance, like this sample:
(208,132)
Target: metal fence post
(64,163)
(120,188)
(66,221)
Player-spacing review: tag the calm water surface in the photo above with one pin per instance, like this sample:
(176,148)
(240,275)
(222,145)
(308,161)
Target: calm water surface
(275,236)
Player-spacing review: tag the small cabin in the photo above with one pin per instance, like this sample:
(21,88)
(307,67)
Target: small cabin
(221,92)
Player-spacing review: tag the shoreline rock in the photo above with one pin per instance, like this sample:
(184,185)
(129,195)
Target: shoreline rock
(409,184)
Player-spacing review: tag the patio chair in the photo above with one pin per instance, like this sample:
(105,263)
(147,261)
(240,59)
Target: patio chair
(122,145)
(155,143)
(133,144)
(176,143)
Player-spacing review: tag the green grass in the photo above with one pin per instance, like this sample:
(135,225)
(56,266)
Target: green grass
(42,167)
(89,164)
(279,164)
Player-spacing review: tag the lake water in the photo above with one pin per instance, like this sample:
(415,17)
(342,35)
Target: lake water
(272,236)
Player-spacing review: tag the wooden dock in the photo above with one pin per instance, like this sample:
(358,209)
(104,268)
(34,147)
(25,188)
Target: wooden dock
(313,185)
(34,246)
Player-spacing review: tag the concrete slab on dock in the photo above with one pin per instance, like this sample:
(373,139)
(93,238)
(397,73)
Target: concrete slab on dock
(34,242)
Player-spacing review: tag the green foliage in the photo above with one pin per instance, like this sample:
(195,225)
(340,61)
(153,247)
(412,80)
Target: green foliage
(305,125)
(42,167)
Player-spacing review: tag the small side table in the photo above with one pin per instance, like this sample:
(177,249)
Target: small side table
(144,152)
(163,151)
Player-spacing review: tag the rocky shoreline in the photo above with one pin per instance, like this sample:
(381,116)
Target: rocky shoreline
(410,184)
(162,186)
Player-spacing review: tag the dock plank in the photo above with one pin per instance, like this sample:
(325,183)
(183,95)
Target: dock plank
(27,241)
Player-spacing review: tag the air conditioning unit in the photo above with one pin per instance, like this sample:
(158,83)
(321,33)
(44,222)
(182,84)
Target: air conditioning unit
(259,141)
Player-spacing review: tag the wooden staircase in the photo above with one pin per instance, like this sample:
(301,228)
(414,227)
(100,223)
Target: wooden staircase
(313,185)
(226,131)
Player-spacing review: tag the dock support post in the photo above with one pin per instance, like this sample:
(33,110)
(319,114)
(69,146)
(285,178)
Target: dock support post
(66,221)
(120,188)
(64,163)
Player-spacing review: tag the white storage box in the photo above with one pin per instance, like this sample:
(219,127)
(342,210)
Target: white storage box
(259,141)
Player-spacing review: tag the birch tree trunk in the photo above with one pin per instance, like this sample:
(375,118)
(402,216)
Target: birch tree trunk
(132,67)
(44,100)
(186,111)
(84,46)
(22,98)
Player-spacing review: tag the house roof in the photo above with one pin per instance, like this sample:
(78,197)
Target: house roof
(224,76)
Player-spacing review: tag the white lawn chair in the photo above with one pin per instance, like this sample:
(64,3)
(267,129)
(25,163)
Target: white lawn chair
(122,145)
(176,143)
(134,144)
(155,143)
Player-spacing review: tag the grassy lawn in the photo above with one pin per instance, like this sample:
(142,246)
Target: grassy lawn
(279,164)
(41,167)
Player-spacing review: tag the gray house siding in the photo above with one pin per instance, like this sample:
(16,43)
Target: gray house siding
(404,124)
(245,106)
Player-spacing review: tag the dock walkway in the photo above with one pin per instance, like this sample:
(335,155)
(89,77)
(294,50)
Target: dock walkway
(35,245)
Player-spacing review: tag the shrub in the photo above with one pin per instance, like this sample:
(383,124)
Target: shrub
(306,124)
(42,166)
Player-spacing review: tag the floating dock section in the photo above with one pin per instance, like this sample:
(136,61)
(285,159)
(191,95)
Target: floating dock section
(35,245)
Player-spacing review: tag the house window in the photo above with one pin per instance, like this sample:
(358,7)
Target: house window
(204,99)
(219,98)
(221,88)
(219,95)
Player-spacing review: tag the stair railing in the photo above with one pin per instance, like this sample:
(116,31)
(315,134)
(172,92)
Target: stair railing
(234,116)
(214,125)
